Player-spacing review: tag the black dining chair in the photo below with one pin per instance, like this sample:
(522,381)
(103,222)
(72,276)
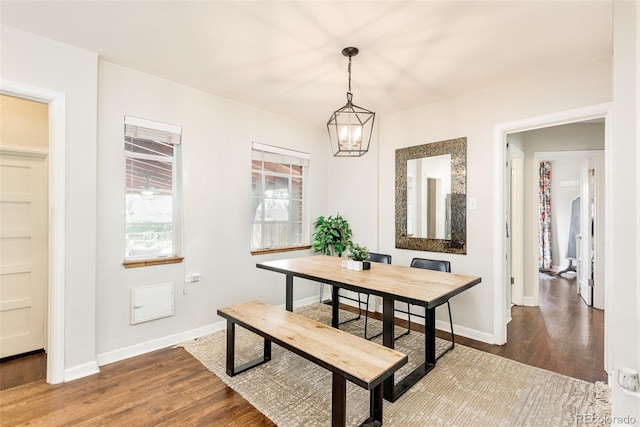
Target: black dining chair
(373,257)
(383,259)
(437,265)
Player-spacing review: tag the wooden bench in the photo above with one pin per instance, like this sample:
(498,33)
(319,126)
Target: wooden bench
(347,356)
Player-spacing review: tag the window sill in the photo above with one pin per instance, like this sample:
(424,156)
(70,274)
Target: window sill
(283,249)
(151,262)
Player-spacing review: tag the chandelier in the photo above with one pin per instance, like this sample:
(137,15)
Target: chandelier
(350,127)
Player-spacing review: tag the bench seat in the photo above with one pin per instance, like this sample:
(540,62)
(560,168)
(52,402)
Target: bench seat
(347,356)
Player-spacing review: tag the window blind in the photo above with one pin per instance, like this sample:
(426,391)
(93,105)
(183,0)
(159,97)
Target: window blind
(135,127)
(270,153)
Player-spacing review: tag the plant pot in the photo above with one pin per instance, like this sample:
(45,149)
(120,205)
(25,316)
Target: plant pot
(357,265)
(366,265)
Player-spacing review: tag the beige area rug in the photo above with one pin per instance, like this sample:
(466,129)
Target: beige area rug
(467,387)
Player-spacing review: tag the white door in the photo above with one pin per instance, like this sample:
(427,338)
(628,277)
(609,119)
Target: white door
(585,245)
(23,253)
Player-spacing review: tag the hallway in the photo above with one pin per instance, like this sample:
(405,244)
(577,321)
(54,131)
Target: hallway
(563,334)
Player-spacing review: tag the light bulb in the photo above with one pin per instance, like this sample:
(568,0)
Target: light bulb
(357,135)
(344,134)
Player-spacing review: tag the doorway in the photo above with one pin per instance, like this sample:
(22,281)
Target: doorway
(24,142)
(502,248)
(56,196)
(566,251)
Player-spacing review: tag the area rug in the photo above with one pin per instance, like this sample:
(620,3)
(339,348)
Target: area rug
(467,387)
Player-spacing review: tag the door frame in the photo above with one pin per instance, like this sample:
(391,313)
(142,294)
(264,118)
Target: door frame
(517,224)
(56,211)
(499,250)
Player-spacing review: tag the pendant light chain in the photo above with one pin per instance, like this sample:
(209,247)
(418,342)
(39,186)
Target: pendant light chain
(349,73)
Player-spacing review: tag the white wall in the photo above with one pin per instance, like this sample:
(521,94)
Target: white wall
(216,152)
(474,116)
(623,326)
(353,192)
(216,159)
(46,64)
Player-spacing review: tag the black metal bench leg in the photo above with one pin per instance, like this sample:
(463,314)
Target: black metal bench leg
(375,406)
(231,369)
(339,401)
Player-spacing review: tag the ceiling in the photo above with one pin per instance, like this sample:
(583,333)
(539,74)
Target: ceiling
(285,56)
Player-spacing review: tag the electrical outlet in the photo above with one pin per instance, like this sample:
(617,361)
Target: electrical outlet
(628,379)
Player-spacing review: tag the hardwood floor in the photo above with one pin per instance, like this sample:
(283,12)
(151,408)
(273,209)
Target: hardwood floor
(166,387)
(170,387)
(562,335)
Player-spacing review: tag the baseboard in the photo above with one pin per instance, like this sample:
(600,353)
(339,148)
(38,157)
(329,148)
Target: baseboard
(302,302)
(529,301)
(81,371)
(168,341)
(157,344)
(462,331)
(458,330)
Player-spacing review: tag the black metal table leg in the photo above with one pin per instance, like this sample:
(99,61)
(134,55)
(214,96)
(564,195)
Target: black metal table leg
(335,306)
(391,391)
(289,293)
(267,350)
(388,341)
(430,335)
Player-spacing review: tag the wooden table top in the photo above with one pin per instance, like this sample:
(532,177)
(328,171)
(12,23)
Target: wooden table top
(364,362)
(415,285)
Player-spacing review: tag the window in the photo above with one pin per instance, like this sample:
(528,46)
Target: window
(277,180)
(151,191)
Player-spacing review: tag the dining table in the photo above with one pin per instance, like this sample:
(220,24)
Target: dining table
(391,282)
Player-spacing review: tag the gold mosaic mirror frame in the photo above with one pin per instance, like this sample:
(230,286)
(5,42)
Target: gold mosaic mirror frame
(457,148)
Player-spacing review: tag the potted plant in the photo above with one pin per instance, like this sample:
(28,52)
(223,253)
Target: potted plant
(332,235)
(359,254)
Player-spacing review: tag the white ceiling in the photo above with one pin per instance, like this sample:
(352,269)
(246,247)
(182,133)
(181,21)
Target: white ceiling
(285,56)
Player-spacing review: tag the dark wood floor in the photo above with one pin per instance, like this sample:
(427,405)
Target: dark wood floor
(562,335)
(166,387)
(169,387)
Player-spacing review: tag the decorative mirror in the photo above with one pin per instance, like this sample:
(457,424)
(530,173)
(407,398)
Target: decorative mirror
(431,199)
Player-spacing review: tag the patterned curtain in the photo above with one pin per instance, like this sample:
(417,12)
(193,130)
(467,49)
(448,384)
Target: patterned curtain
(544,221)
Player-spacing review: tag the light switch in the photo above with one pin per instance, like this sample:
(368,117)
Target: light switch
(473,203)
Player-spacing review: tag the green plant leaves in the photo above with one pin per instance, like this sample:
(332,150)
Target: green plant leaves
(332,235)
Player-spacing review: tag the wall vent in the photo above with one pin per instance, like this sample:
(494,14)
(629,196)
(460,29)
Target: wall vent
(151,302)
